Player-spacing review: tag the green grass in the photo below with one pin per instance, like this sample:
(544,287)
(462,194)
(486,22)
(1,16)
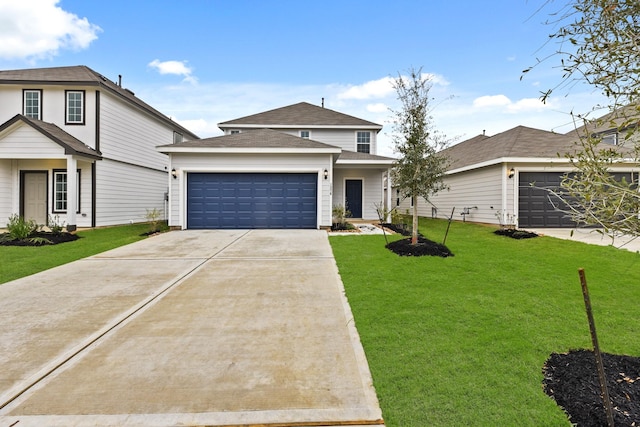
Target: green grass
(20,261)
(462,340)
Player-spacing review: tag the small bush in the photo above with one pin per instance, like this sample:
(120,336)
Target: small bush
(154,218)
(55,225)
(18,228)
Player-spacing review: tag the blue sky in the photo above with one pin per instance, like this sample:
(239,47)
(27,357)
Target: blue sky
(204,62)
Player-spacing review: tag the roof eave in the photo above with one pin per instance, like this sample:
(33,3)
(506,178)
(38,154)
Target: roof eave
(168,149)
(224,126)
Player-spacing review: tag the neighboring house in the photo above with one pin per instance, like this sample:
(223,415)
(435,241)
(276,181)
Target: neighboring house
(55,120)
(283,168)
(503,179)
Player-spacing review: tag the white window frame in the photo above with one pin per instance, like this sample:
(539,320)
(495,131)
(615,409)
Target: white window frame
(362,143)
(69,108)
(60,197)
(26,107)
(302,132)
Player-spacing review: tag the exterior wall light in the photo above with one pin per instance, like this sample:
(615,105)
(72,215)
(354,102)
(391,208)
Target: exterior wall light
(511,173)
(326,174)
(174,173)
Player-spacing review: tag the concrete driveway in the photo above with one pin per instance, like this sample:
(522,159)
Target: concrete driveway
(590,236)
(220,328)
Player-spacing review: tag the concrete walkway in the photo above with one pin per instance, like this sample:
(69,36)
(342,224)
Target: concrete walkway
(219,328)
(590,236)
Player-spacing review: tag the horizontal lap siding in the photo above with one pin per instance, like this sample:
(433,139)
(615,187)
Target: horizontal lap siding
(125,192)
(6,186)
(481,188)
(127,135)
(345,139)
(26,142)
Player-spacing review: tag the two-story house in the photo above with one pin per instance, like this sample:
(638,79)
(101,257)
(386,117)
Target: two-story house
(283,168)
(56,120)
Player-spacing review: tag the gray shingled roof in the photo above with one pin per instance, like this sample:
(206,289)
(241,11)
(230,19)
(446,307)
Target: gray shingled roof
(81,75)
(302,114)
(352,155)
(258,138)
(70,144)
(518,142)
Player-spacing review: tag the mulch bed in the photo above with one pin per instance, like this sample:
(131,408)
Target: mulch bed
(424,247)
(515,233)
(54,239)
(400,229)
(571,379)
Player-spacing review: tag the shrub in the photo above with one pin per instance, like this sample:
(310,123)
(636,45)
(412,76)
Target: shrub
(55,225)
(154,218)
(18,228)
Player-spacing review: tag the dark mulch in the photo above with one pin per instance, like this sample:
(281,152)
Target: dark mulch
(572,380)
(397,228)
(53,239)
(424,247)
(515,233)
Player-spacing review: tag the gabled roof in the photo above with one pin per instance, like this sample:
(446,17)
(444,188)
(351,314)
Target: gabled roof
(71,144)
(519,142)
(259,140)
(300,115)
(353,158)
(81,75)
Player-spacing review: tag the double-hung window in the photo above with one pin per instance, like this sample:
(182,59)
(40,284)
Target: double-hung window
(32,103)
(74,107)
(60,191)
(363,142)
(305,134)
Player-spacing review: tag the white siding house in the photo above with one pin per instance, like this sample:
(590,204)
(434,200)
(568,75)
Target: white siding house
(504,179)
(53,120)
(284,168)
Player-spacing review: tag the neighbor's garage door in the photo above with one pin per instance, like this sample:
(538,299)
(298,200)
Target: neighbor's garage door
(251,200)
(537,207)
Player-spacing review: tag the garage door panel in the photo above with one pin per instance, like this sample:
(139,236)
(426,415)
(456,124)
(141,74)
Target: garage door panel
(252,200)
(537,206)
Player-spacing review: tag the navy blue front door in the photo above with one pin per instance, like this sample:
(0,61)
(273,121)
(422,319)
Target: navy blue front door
(353,197)
(251,200)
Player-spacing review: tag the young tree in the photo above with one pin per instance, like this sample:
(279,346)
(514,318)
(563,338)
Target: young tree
(599,44)
(420,169)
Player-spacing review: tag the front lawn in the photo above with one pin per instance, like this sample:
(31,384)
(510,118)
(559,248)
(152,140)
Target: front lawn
(20,261)
(462,340)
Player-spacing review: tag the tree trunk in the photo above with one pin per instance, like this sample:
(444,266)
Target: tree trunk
(414,231)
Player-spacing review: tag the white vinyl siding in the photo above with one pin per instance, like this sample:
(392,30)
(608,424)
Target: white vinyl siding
(130,136)
(25,142)
(126,192)
(343,138)
(6,188)
(299,163)
(480,190)
(372,189)
(32,107)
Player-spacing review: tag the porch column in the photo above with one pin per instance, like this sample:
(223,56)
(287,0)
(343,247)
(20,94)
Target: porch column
(72,192)
(389,195)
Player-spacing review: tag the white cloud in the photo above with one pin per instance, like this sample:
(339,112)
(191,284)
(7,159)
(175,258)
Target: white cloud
(380,88)
(528,104)
(40,29)
(178,68)
(491,101)
(377,108)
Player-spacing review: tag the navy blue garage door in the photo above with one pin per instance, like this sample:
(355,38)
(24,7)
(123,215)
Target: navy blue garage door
(251,200)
